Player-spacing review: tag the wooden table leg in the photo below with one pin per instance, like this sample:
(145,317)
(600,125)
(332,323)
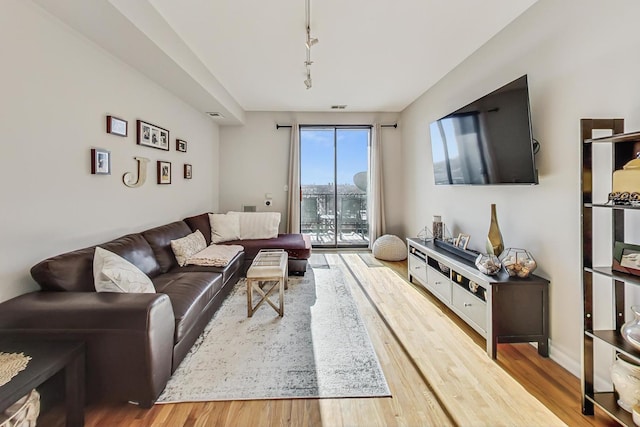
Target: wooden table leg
(249,302)
(75,391)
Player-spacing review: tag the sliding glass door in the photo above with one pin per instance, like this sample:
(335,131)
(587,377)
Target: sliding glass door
(333,175)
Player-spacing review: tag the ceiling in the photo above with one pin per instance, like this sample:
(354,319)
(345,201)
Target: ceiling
(234,56)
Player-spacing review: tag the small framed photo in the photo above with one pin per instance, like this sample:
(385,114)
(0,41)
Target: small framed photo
(100,161)
(462,241)
(164,172)
(116,126)
(626,258)
(187,171)
(181,145)
(152,136)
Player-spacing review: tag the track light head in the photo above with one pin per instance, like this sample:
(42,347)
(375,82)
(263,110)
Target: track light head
(310,42)
(308,82)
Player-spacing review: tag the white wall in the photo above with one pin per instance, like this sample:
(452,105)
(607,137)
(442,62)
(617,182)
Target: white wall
(56,90)
(581,59)
(256,160)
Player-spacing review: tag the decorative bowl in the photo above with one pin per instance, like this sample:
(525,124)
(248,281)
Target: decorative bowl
(488,264)
(518,262)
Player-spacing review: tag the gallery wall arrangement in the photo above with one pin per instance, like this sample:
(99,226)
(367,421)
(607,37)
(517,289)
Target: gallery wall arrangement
(148,135)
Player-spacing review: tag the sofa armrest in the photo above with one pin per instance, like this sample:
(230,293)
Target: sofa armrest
(129,337)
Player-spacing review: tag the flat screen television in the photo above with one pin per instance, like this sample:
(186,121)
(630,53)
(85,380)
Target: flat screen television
(488,141)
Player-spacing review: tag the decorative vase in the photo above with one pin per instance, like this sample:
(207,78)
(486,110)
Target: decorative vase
(437,228)
(518,262)
(495,245)
(488,264)
(631,330)
(625,375)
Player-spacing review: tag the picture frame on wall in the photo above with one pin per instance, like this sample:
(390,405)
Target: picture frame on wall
(164,172)
(116,126)
(187,171)
(181,145)
(152,136)
(100,161)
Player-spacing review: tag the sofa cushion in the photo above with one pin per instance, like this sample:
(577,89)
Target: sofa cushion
(224,227)
(190,293)
(200,222)
(298,246)
(187,246)
(227,272)
(160,238)
(73,271)
(112,273)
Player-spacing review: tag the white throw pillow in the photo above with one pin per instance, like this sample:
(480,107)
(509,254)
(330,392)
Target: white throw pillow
(258,225)
(112,273)
(185,247)
(224,227)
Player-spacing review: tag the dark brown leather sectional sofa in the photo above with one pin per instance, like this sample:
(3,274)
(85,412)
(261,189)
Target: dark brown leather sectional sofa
(134,342)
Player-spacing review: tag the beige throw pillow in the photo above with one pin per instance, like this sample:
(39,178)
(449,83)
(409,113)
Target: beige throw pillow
(224,227)
(112,273)
(185,247)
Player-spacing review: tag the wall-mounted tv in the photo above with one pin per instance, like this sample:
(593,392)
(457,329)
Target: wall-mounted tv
(488,141)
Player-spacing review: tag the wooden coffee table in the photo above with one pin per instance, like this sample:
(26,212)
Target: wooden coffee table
(269,268)
(47,359)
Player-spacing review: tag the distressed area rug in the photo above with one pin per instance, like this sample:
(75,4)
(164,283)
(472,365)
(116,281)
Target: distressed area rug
(319,349)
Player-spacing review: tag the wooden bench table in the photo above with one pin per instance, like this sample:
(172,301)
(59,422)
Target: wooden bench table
(268,267)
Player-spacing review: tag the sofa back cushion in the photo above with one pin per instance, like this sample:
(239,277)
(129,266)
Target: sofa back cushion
(200,222)
(160,238)
(73,271)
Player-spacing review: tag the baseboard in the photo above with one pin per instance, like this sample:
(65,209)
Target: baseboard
(564,360)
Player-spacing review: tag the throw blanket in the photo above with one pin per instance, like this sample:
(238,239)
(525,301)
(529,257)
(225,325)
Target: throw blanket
(215,255)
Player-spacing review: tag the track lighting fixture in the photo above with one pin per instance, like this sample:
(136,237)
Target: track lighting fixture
(309,42)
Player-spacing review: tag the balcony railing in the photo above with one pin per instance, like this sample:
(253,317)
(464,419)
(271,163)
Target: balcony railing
(328,227)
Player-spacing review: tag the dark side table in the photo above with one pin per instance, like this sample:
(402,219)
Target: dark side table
(47,359)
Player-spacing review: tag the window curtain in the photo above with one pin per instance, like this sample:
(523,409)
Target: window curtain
(376,191)
(293,197)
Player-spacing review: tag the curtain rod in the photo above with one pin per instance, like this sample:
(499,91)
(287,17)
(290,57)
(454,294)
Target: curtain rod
(395,126)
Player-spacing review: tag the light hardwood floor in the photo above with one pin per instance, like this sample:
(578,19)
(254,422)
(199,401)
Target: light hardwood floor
(392,310)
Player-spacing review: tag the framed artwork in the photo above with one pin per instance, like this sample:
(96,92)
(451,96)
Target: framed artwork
(187,171)
(152,136)
(626,258)
(164,172)
(100,161)
(181,145)
(116,126)
(462,241)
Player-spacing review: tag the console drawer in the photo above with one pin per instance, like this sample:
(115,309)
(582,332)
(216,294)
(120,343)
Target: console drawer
(439,284)
(418,269)
(471,307)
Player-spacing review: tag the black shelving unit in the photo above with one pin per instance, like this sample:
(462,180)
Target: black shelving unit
(622,150)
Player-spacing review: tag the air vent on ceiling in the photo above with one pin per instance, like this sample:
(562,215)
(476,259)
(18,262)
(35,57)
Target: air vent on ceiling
(338,107)
(215,114)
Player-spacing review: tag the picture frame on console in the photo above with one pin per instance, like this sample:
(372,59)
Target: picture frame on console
(462,241)
(100,162)
(152,136)
(164,172)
